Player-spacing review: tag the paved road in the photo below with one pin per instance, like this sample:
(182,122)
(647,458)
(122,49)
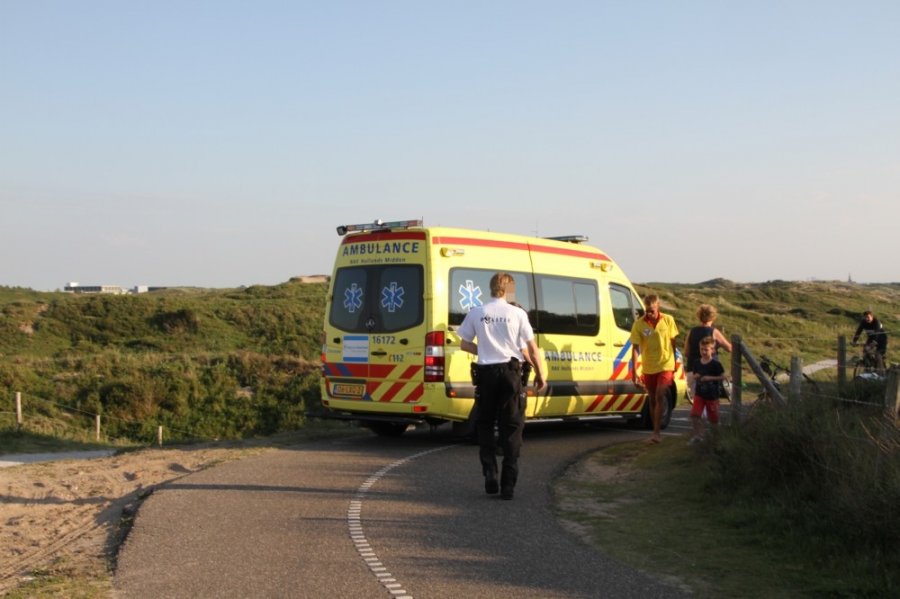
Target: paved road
(374,517)
(17,459)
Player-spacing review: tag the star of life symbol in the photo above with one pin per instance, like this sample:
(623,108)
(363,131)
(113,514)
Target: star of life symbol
(469,296)
(353,298)
(392,297)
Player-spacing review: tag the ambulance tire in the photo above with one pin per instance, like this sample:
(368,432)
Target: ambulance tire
(646,421)
(387,429)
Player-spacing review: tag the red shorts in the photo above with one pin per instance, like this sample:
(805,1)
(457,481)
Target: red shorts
(658,379)
(711,405)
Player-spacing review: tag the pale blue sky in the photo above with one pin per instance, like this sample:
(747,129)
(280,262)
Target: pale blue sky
(219,143)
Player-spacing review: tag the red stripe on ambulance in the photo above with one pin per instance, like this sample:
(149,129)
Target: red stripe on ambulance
(594,403)
(615,404)
(373,237)
(416,394)
(400,392)
(623,370)
(411,372)
(512,245)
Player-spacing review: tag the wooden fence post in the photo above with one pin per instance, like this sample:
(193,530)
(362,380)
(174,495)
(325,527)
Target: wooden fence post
(736,351)
(97,426)
(19,421)
(159,435)
(842,363)
(796,376)
(767,383)
(892,394)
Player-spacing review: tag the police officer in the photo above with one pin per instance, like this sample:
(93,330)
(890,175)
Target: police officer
(502,331)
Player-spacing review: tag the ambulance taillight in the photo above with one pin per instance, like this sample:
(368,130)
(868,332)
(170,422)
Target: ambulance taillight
(434,357)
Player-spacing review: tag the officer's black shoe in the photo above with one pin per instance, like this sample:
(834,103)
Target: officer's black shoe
(491,486)
(506,493)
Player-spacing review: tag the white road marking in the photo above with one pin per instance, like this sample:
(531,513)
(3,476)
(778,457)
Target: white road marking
(358,536)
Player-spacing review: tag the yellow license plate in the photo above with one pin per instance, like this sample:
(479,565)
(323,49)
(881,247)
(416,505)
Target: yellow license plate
(349,390)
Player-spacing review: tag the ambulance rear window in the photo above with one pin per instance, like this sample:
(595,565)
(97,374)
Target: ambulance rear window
(377,299)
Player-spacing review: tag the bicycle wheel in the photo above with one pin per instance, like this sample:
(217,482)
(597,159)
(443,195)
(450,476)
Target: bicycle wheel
(858,368)
(762,402)
(813,386)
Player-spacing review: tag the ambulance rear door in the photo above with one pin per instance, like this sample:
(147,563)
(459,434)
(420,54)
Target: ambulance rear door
(376,330)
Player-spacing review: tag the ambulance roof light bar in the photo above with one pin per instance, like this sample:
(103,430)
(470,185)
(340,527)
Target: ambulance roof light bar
(570,238)
(378,225)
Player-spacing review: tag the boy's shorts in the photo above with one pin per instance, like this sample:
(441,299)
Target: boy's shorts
(711,405)
(658,379)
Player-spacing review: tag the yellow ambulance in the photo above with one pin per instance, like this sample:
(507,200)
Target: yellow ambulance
(400,290)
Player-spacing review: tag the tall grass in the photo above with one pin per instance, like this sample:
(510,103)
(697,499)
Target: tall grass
(824,476)
(203,364)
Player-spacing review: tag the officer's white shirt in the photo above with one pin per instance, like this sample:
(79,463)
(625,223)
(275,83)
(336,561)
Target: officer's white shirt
(502,330)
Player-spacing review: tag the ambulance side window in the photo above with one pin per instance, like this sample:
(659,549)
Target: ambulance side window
(471,287)
(567,306)
(625,310)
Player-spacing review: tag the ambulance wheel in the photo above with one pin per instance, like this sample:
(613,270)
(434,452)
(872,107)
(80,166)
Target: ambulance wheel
(647,422)
(387,429)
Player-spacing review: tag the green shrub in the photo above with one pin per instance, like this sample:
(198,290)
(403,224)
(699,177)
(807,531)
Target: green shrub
(829,475)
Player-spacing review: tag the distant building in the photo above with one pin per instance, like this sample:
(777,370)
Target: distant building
(311,279)
(75,287)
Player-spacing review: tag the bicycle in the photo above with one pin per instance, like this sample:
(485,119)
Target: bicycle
(773,371)
(869,365)
(868,373)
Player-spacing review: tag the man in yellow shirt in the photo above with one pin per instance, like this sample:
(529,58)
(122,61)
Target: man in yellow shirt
(653,340)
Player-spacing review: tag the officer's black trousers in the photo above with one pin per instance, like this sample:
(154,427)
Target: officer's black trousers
(500,401)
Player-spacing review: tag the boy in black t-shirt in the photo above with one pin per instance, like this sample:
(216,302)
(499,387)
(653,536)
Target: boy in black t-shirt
(708,374)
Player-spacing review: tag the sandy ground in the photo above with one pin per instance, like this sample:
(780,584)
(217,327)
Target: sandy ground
(65,517)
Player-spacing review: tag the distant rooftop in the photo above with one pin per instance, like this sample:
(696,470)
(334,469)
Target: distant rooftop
(75,287)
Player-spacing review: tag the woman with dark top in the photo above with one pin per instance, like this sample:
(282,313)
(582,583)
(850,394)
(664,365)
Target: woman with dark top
(706,314)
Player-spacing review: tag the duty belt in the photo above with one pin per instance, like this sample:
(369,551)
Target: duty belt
(513,364)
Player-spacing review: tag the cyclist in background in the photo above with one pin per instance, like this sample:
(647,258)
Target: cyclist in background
(875,333)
